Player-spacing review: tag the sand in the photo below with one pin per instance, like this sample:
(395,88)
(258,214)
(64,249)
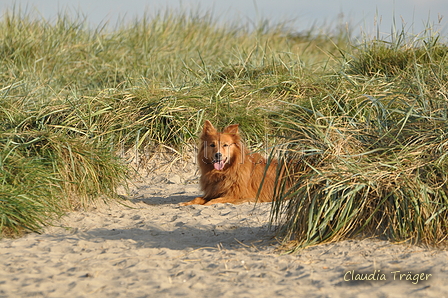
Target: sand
(155,248)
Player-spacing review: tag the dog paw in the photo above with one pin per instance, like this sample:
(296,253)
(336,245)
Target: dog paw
(196,201)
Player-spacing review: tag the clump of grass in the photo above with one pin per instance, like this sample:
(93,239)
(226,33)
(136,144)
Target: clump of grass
(45,174)
(391,59)
(27,192)
(369,164)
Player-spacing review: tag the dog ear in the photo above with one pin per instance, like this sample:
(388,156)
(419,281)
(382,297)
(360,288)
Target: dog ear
(208,128)
(231,129)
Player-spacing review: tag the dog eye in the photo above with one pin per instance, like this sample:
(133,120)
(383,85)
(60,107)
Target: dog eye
(225,145)
(212,145)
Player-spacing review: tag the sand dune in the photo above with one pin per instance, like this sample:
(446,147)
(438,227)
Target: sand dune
(155,248)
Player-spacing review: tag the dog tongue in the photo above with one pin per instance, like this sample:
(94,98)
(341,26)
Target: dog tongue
(219,165)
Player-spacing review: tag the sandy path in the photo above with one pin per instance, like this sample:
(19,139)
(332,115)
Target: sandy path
(158,249)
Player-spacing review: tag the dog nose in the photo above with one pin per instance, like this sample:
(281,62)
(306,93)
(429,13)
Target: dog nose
(218,155)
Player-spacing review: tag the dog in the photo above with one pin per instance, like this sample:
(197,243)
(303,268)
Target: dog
(229,172)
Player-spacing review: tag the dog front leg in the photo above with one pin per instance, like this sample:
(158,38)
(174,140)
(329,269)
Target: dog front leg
(224,200)
(196,201)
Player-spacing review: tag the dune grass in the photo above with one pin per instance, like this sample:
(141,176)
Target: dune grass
(363,123)
(370,157)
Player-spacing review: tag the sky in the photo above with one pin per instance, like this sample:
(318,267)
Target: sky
(364,16)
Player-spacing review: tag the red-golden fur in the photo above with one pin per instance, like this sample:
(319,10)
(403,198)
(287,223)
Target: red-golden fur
(229,173)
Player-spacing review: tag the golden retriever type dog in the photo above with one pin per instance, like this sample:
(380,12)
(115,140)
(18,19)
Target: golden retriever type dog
(229,173)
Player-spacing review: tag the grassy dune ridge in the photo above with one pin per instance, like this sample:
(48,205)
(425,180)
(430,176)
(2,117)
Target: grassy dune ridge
(371,154)
(353,114)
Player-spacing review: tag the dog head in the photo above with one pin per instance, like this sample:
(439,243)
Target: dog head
(221,149)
